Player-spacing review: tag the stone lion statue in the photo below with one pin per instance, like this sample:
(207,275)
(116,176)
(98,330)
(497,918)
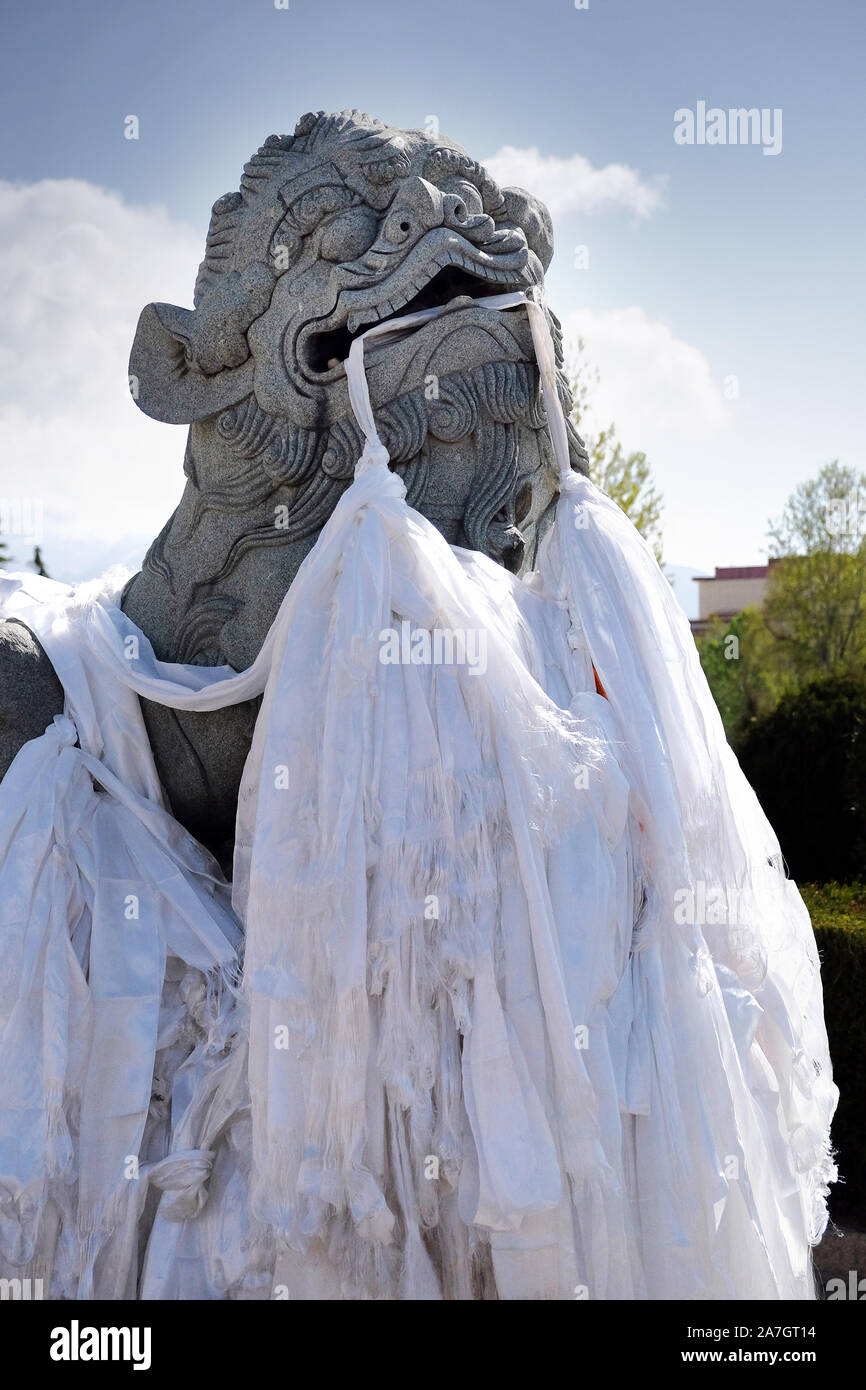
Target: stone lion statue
(339,226)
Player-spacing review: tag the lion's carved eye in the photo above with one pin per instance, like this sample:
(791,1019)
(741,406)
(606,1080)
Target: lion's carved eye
(349,234)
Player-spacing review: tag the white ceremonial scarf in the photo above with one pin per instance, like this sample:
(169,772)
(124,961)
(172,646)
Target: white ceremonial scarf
(100,888)
(479,1036)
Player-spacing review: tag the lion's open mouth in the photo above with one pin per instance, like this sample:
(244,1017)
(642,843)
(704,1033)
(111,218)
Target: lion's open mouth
(325,351)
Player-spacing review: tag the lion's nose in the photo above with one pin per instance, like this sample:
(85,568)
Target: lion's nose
(417,209)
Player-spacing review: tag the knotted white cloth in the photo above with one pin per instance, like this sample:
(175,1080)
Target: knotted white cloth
(480,1050)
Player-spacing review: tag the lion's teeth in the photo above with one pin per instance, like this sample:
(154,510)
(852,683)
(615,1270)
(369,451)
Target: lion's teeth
(446,257)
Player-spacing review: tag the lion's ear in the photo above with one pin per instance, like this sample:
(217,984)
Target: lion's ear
(162,381)
(529,213)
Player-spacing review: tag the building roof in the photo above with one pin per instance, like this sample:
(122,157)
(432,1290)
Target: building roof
(735,572)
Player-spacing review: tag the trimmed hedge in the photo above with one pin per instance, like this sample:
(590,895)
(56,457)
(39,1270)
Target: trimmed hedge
(839,917)
(807,763)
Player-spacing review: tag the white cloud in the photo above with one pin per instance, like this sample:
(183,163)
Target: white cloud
(573,184)
(77,265)
(653,385)
(664,399)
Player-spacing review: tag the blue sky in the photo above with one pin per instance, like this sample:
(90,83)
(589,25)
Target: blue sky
(705,263)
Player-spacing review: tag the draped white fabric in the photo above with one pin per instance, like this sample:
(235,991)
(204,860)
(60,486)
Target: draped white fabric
(529,1009)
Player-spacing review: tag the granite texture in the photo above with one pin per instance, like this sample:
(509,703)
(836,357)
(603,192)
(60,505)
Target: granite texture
(30,693)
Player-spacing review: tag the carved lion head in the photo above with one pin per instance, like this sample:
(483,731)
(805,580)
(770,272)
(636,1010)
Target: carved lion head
(343,224)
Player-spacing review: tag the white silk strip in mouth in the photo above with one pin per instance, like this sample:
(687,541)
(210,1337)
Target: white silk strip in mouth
(359,394)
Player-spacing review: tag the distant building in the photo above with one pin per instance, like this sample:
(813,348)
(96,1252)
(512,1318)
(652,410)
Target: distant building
(728,592)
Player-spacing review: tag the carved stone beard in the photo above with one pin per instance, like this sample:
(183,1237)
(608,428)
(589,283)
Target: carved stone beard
(486,425)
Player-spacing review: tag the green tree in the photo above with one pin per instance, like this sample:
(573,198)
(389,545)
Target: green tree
(627,478)
(5,557)
(38,564)
(816,600)
(742,664)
